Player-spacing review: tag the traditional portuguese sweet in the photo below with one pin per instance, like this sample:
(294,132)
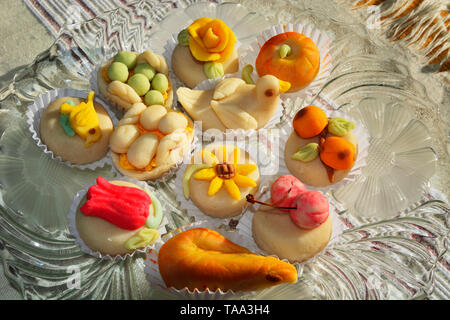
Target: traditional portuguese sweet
(149,141)
(217,183)
(203,259)
(77,131)
(118,217)
(297,228)
(130,78)
(320,151)
(206,50)
(291,57)
(233,104)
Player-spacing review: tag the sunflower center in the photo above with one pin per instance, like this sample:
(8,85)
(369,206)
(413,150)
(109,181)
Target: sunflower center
(225,171)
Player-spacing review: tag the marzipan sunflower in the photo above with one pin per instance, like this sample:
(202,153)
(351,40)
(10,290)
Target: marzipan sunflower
(222,173)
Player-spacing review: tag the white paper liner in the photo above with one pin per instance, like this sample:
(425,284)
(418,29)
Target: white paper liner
(154,277)
(320,38)
(34,114)
(361,133)
(193,210)
(245,224)
(74,231)
(93,81)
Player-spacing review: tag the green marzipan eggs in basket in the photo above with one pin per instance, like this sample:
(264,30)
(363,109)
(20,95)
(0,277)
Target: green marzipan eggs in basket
(129,78)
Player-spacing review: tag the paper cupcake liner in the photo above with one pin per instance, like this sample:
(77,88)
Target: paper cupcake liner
(33,118)
(245,225)
(154,277)
(360,132)
(74,231)
(93,81)
(320,38)
(193,211)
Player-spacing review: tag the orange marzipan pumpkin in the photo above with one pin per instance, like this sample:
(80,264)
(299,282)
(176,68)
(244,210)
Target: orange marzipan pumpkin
(299,68)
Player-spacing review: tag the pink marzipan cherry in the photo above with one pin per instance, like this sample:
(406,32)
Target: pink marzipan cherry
(285,189)
(312,209)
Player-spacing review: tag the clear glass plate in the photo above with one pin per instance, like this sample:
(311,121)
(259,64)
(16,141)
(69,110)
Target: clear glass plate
(400,257)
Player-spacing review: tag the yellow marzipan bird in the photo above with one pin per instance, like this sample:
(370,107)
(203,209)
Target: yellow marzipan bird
(84,119)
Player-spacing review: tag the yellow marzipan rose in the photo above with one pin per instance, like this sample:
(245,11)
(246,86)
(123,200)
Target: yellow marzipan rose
(211,40)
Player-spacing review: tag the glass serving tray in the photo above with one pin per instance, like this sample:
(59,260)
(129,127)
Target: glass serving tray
(395,242)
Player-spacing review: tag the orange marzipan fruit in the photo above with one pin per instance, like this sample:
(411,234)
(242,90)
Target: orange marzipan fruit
(299,68)
(338,153)
(309,122)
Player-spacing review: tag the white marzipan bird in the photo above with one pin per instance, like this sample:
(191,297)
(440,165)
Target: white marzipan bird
(233,104)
